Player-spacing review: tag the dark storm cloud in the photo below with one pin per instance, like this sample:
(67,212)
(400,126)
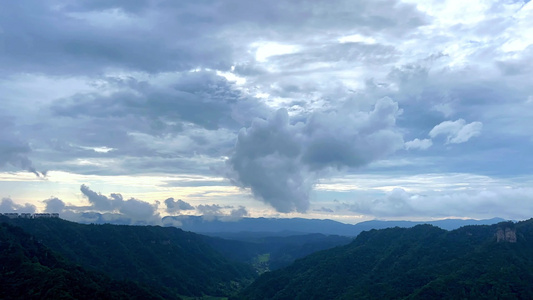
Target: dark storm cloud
(145,123)
(130,114)
(58,37)
(280,161)
(50,37)
(202,98)
(174,206)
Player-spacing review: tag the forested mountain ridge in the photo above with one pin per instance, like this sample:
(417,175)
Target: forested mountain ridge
(423,262)
(29,270)
(267,253)
(164,257)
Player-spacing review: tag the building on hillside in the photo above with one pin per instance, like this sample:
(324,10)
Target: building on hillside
(11,215)
(30,215)
(42,215)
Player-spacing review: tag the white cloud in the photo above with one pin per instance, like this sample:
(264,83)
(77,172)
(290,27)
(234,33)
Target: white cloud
(456,132)
(418,144)
(132,97)
(512,203)
(131,209)
(9,206)
(174,206)
(265,50)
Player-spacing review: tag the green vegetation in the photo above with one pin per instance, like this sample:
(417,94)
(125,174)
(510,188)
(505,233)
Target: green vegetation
(29,270)
(273,252)
(166,258)
(260,263)
(423,262)
(57,259)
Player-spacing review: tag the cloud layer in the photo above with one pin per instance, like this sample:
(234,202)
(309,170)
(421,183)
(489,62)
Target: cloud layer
(273,98)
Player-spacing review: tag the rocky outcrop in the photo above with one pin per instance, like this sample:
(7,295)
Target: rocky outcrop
(506,235)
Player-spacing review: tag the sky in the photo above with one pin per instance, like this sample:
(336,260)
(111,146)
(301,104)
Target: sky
(348,110)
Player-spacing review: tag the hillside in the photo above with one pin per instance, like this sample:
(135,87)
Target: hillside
(273,252)
(31,271)
(423,262)
(167,258)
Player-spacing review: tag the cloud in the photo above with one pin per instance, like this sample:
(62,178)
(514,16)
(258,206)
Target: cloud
(175,206)
(54,205)
(418,144)
(138,210)
(211,212)
(324,209)
(99,201)
(210,209)
(234,215)
(456,132)
(280,161)
(156,124)
(13,150)
(168,84)
(132,209)
(171,222)
(8,206)
(238,213)
(514,203)
(106,218)
(201,97)
(15,153)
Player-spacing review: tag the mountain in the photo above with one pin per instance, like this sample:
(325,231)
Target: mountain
(267,253)
(32,271)
(298,226)
(447,224)
(175,261)
(422,262)
(283,226)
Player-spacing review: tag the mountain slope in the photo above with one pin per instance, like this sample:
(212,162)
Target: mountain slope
(423,262)
(273,252)
(29,270)
(168,258)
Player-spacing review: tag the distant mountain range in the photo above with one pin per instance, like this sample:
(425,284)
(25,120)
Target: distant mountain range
(287,227)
